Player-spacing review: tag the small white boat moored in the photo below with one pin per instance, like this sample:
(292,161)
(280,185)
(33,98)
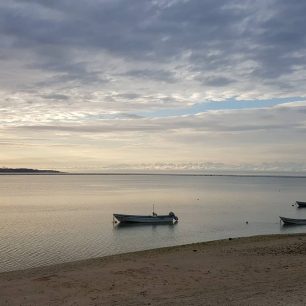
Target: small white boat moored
(148,219)
(292,221)
(301,204)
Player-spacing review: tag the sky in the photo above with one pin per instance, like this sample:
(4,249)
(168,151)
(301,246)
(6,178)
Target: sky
(162,85)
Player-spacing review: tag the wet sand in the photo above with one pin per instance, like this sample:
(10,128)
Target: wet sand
(259,270)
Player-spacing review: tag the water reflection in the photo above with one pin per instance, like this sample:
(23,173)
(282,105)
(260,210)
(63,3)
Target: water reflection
(67,218)
(120,226)
(286,227)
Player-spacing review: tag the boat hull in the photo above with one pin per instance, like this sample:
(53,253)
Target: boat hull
(291,221)
(144,219)
(301,204)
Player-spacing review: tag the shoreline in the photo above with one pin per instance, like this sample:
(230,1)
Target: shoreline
(148,252)
(248,270)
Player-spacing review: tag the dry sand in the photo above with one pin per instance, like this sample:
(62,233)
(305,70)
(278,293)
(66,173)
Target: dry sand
(260,270)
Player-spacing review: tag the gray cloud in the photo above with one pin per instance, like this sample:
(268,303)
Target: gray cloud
(89,68)
(217,81)
(252,41)
(158,75)
(212,167)
(280,119)
(56,97)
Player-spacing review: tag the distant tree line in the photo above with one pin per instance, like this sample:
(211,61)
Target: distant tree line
(25,170)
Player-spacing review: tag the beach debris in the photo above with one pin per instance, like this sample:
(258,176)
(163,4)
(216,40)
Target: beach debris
(246,222)
(195,250)
(230,238)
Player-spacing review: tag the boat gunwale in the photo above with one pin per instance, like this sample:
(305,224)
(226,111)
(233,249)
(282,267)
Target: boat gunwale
(143,216)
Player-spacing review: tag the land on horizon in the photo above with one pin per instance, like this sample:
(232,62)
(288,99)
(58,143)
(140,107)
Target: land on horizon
(30,171)
(5,170)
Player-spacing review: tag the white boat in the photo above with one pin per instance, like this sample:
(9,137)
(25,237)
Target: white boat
(293,221)
(149,219)
(301,204)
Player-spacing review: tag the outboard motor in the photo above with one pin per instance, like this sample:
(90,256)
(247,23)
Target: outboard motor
(171,214)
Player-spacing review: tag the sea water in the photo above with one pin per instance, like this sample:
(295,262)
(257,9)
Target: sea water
(49,219)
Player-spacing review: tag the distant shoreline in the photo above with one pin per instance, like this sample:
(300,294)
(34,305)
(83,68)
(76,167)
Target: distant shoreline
(27,171)
(53,172)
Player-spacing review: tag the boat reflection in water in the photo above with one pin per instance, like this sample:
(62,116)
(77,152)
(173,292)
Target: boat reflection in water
(147,226)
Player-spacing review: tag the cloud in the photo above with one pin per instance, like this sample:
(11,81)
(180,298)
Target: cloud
(217,81)
(158,75)
(94,69)
(258,45)
(230,137)
(288,117)
(56,97)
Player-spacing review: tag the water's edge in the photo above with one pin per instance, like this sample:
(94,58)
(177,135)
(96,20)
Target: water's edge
(128,255)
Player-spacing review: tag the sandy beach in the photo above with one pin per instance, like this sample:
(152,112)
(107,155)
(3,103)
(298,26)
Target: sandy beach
(260,270)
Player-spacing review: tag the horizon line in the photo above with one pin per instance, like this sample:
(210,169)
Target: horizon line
(155,174)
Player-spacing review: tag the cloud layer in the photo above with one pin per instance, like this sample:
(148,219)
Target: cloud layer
(81,78)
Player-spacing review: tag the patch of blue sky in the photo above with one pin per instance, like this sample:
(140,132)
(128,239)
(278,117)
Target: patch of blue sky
(230,104)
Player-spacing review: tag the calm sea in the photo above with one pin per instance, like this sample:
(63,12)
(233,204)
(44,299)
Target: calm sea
(48,219)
